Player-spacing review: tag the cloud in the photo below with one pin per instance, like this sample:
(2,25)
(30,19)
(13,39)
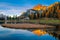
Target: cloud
(10,10)
(10,7)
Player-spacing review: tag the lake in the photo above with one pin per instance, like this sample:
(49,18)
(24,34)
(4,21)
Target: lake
(21,34)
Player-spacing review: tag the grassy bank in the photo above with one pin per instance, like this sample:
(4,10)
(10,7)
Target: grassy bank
(35,21)
(42,21)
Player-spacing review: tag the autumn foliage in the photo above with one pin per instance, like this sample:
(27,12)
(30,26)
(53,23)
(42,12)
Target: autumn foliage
(39,11)
(39,7)
(52,11)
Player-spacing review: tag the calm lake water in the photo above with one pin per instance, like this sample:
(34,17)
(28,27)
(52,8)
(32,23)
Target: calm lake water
(20,34)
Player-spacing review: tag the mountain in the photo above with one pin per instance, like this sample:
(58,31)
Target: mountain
(40,11)
(2,17)
(29,12)
(39,7)
(34,11)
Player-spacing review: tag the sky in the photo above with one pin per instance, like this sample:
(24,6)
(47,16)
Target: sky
(17,7)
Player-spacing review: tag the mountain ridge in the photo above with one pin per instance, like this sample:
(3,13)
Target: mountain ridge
(40,11)
(39,7)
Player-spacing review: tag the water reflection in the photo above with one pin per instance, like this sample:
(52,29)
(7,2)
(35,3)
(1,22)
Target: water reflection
(19,34)
(39,32)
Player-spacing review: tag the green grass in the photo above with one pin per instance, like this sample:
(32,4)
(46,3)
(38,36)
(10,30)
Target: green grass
(44,21)
(40,21)
(50,21)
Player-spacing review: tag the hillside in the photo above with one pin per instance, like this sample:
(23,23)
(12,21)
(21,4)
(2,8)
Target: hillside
(39,11)
(53,11)
(39,7)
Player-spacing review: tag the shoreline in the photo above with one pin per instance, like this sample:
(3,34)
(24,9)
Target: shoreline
(27,26)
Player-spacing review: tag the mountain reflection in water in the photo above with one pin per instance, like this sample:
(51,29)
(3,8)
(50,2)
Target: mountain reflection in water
(20,34)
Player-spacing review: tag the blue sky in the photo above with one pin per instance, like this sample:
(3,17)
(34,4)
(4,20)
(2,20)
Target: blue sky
(16,7)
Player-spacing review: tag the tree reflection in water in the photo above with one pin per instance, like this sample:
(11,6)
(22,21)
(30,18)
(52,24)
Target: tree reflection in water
(20,34)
